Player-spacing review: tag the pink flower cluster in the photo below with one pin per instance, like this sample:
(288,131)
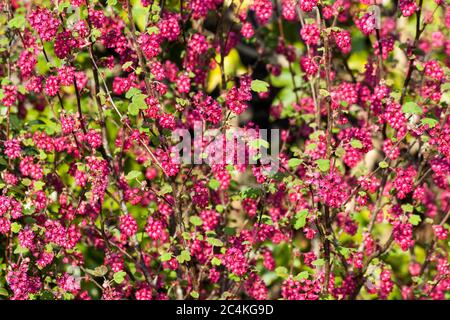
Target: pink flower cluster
(94,186)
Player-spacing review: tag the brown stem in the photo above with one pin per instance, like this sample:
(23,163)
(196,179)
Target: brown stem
(80,113)
(141,57)
(412,60)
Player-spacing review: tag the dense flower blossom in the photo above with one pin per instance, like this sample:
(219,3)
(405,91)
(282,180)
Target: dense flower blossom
(20,282)
(52,86)
(404,181)
(256,288)
(94,139)
(343,40)
(247,30)
(308,5)
(367,23)
(208,108)
(156,229)
(27,62)
(407,7)
(169,27)
(310,34)
(128,225)
(309,66)
(403,233)
(263,10)
(9,95)
(387,46)
(386,284)
(288,10)
(150,44)
(45,24)
(134,162)
(12,148)
(441,232)
(236,98)
(331,189)
(64,43)
(434,70)
(210,219)
(235,260)
(300,290)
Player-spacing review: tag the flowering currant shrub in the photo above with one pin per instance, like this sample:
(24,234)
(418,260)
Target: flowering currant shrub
(96,204)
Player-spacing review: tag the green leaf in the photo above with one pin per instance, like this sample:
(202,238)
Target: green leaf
(294,163)
(300,219)
(194,294)
(445,86)
(318,262)
(62,6)
(137,103)
(415,219)
(215,242)
(407,207)
(282,272)
(95,33)
(356,144)
(344,104)
(132,92)
(344,251)
(133,175)
(38,185)
(216,261)
(99,271)
(133,109)
(302,275)
(419,65)
(324,93)
(412,107)
(214,184)
(383,165)
(165,189)
(153,29)
(251,193)
(230,231)
(429,121)
(4,42)
(20,250)
(257,143)
(4,292)
(196,220)
(15,227)
(186,235)
(119,276)
(339,152)
(17,22)
(323,164)
(28,209)
(417,280)
(126,65)
(184,256)
(259,86)
(182,102)
(166,256)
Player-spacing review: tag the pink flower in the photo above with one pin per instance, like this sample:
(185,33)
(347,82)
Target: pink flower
(310,34)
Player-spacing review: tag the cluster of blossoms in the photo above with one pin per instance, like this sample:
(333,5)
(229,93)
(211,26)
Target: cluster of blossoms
(96,204)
